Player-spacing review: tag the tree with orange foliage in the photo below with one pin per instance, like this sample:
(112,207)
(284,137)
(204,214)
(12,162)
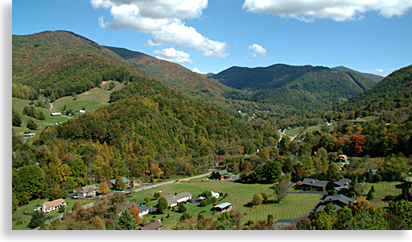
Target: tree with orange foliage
(155,170)
(134,211)
(357,145)
(360,204)
(266,153)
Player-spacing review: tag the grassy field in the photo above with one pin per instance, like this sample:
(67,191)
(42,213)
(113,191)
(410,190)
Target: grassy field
(295,205)
(381,190)
(90,100)
(292,206)
(18,223)
(295,130)
(19,104)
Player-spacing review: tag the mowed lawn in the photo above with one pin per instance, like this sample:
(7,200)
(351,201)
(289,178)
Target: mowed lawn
(381,190)
(295,205)
(292,206)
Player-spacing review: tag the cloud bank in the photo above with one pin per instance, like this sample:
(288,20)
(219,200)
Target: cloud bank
(163,20)
(338,10)
(198,71)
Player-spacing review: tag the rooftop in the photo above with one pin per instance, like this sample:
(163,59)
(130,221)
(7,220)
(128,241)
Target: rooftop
(223,205)
(314,182)
(343,182)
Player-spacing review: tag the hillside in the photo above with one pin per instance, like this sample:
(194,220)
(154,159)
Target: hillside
(151,118)
(64,63)
(293,87)
(394,91)
(375,78)
(176,76)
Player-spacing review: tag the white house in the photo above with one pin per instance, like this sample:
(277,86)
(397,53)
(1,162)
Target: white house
(215,194)
(82,111)
(87,191)
(56,114)
(143,210)
(178,198)
(51,206)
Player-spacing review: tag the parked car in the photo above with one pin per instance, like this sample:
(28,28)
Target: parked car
(75,196)
(190,200)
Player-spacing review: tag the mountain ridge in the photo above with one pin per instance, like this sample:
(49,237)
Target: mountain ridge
(373,77)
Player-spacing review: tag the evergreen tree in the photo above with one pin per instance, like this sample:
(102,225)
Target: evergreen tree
(126,221)
(37,220)
(162,205)
(182,208)
(16,119)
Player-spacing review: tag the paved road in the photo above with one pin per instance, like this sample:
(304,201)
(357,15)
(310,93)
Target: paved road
(170,182)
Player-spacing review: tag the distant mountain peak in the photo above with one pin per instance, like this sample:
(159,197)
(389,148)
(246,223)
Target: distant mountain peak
(373,77)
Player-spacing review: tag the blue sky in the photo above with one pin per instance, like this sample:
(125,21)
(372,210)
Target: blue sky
(370,36)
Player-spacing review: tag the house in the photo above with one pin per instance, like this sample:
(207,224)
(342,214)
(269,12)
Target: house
(173,201)
(342,186)
(342,158)
(309,184)
(215,194)
(338,201)
(56,114)
(112,183)
(222,207)
(219,175)
(29,135)
(87,191)
(51,206)
(153,226)
(143,210)
(82,111)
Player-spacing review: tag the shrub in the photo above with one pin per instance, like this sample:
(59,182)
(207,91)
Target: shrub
(182,208)
(207,201)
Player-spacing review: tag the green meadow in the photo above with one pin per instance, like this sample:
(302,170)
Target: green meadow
(239,194)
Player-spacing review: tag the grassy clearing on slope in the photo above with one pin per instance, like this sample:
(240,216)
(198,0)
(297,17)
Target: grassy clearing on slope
(90,100)
(381,190)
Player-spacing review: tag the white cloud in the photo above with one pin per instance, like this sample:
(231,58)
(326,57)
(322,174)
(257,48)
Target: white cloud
(338,10)
(379,70)
(183,36)
(170,54)
(162,19)
(198,71)
(258,49)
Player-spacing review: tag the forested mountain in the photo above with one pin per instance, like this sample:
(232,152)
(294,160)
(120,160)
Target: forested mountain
(178,77)
(293,87)
(63,63)
(150,118)
(375,78)
(393,92)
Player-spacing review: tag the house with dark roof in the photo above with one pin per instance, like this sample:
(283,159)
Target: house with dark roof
(342,185)
(219,175)
(338,201)
(112,183)
(143,209)
(314,184)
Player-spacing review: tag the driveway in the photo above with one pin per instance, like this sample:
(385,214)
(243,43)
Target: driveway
(170,182)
